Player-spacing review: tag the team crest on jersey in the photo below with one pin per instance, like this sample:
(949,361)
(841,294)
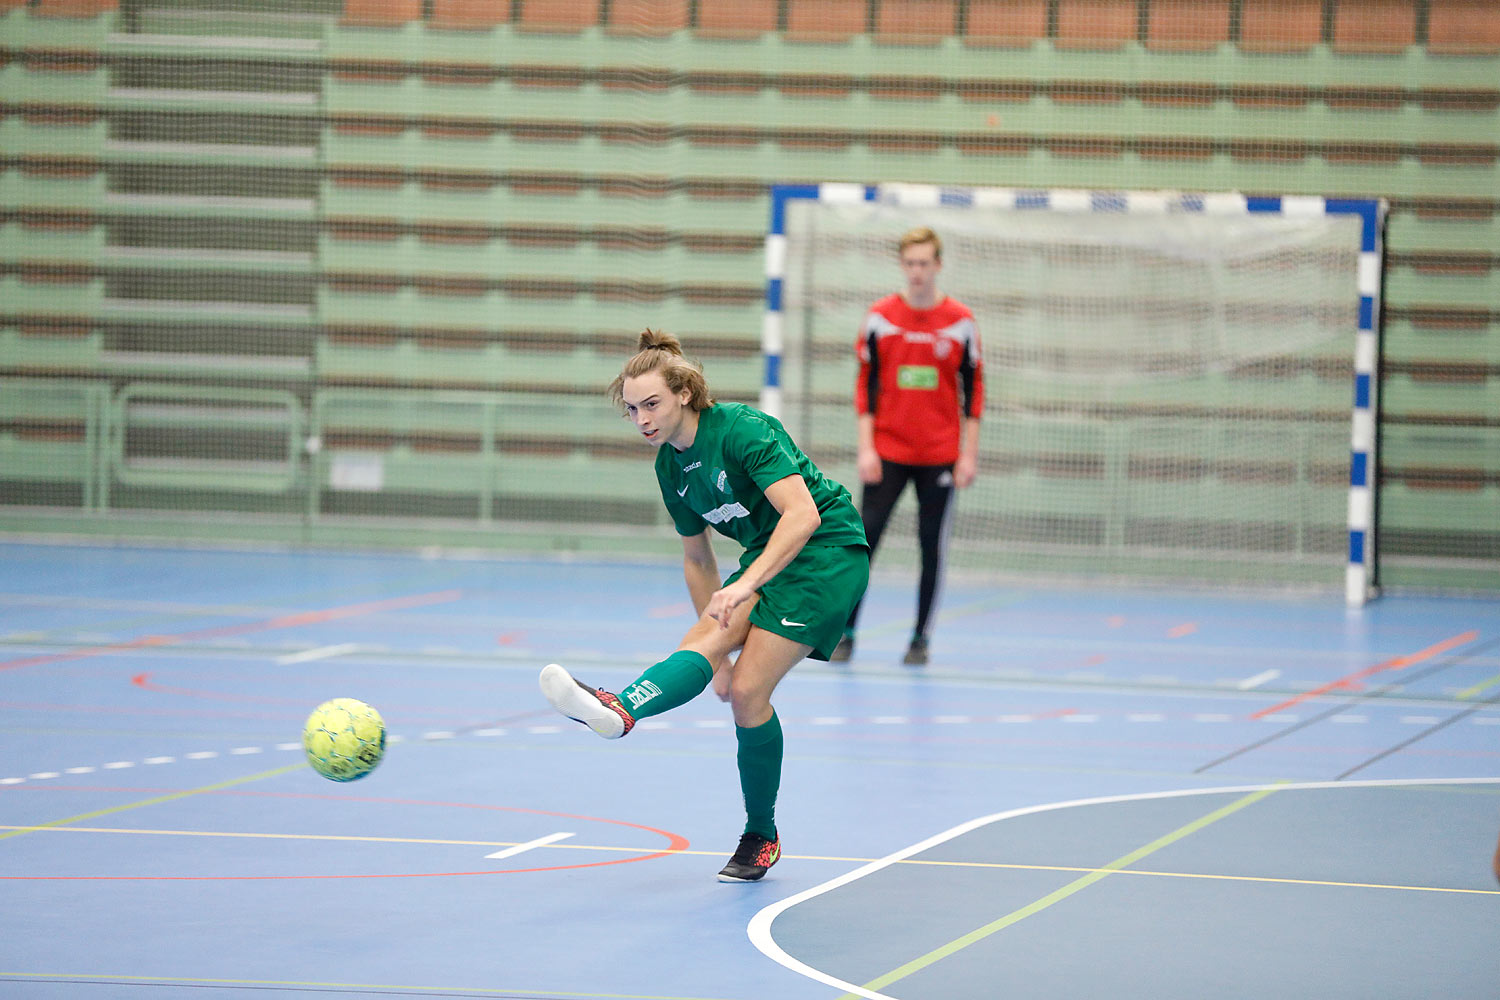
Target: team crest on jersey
(722,482)
(941,347)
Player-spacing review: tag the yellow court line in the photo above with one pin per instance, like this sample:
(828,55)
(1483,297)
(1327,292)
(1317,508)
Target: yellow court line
(158,800)
(607,848)
(348,838)
(287,984)
(1037,906)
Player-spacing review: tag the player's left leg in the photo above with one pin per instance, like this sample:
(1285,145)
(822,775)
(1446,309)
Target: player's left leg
(934,487)
(762,664)
(801,613)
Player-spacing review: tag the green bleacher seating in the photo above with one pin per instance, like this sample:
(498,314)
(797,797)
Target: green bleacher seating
(736,19)
(1096,24)
(51,438)
(915,22)
(495,194)
(1187,25)
(468,15)
(381,13)
(74,8)
(1374,26)
(1280,25)
(647,18)
(1463,27)
(1005,23)
(825,21)
(206,438)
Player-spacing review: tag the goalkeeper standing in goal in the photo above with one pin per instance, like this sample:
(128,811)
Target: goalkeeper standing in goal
(919,396)
(804,568)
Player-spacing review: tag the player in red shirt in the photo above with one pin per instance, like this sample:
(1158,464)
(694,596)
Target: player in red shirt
(919,396)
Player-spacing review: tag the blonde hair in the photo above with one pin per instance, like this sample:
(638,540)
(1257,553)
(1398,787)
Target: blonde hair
(918,236)
(658,351)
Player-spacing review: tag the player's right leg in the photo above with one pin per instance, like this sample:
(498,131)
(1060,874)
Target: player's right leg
(674,681)
(875,506)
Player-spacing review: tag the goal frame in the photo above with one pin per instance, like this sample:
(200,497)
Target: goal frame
(1360,576)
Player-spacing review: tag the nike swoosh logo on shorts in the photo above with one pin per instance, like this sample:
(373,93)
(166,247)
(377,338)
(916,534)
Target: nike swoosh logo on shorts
(790,624)
(682,492)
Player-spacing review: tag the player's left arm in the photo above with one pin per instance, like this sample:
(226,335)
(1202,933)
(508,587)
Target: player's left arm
(799,519)
(971,398)
(967,466)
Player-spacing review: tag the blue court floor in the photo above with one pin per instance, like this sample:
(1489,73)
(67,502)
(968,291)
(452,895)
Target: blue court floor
(1089,792)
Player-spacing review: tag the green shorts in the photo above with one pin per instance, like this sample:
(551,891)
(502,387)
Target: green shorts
(810,600)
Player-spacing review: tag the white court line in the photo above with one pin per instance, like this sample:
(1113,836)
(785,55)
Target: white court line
(759,929)
(321,653)
(551,838)
(1261,678)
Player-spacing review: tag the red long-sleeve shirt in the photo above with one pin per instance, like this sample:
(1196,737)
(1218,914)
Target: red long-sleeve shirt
(920,373)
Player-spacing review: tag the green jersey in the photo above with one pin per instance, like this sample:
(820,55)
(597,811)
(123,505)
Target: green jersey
(721,480)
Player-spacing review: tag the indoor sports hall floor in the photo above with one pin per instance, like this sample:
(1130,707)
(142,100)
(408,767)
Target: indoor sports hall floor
(1089,793)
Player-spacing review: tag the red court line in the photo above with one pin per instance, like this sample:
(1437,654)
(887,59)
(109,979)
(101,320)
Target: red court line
(1351,681)
(218,632)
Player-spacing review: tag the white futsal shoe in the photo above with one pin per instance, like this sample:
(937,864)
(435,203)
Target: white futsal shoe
(600,710)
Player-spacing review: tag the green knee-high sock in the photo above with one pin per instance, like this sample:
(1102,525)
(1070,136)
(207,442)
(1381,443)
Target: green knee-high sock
(759,759)
(674,681)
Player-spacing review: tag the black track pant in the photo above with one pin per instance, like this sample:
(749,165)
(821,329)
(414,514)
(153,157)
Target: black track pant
(934,486)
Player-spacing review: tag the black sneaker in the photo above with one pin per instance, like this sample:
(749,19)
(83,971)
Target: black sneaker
(751,859)
(843,650)
(916,653)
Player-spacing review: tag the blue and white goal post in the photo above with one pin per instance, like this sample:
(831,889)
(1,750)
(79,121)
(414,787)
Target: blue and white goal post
(1364,285)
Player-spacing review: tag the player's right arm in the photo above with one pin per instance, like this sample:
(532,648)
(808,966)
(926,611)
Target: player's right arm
(699,569)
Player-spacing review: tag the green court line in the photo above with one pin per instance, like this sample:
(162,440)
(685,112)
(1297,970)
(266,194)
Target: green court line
(1077,885)
(1478,689)
(92,978)
(158,800)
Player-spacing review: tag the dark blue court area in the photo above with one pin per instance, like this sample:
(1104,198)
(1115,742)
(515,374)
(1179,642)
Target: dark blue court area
(1090,792)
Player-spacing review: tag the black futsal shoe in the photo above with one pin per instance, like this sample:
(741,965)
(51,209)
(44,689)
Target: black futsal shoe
(751,859)
(916,653)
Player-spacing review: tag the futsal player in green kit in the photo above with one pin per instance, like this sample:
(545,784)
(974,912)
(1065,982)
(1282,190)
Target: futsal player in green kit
(733,468)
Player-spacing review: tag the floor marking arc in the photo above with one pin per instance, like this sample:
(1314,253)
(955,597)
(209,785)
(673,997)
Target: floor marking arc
(1077,885)
(759,928)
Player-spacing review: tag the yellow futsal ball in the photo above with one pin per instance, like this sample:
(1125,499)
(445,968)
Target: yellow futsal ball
(344,739)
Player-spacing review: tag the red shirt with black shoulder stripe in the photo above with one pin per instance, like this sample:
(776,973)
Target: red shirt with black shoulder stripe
(920,373)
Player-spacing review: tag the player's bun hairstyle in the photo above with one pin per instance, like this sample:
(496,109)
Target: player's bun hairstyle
(657,351)
(920,235)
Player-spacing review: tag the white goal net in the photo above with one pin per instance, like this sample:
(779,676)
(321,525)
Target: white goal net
(1169,390)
